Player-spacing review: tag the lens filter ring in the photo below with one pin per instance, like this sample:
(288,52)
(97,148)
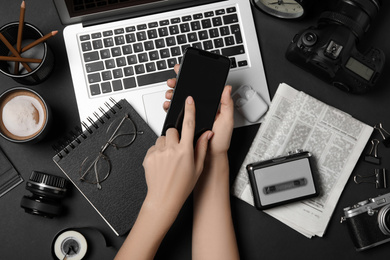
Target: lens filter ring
(384,220)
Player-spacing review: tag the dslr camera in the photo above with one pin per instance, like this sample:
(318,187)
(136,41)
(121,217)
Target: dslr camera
(368,222)
(329,49)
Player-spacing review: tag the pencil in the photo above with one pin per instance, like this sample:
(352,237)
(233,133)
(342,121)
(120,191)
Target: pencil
(38,41)
(8,58)
(20,33)
(14,52)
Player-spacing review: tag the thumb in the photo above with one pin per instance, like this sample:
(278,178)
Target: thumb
(201,150)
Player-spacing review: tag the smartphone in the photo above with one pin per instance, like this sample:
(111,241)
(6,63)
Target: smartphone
(202,75)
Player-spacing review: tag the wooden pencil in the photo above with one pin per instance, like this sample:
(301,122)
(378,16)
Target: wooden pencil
(38,41)
(29,60)
(20,33)
(14,52)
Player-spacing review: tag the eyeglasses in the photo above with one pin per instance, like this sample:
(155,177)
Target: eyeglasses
(97,170)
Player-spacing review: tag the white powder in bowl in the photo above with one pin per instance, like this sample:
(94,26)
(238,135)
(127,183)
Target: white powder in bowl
(23,116)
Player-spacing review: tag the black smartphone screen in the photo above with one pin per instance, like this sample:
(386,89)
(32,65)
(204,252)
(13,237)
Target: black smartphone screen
(202,75)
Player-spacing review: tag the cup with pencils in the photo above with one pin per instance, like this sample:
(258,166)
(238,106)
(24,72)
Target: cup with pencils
(24,53)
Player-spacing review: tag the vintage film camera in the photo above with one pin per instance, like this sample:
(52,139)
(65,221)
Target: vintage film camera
(368,222)
(329,50)
(282,180)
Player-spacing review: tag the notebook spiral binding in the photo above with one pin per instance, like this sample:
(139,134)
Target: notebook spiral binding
(76,136)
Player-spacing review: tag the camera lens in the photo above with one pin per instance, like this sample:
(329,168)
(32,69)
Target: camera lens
(47,191)
(354,14)
(384,220)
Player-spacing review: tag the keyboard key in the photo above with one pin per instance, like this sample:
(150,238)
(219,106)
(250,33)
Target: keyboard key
(110,64)
(197,16)
(164,22)
(159,43)
(139,69)
(127,49)
(214,33)
(121,61)
(203,35)
(171,63)
(106,75)
(104,54)
(130,29)
(129,71)
(185,27)
(231,10)
(170,41)
(175,51)
(129,83)
(96,35)
(218,43)
(141,36)
(119,31)
(91,56)
(150,67)
(164,53)
(206,23)
(94,66)
(195,25)
(143,57)
(138,47)
(162,32)
(217,21)
(130,38)
(242,63)
(235,50)
(156,77)
(86,46)
(149,45)
(181,39)
(224,31)
(233,63)
(131,59)
(117,85)
(208,45)
(153,55)
(152,34)
(108,42)
(141,27)
(116,51)
(175,20)
(85,37)
(235,28)
(106,87)
(231,18)
(174,29)
(93,78)
(209,14)
(119,40)
(117,73)
(220,11)
(97,44)
(107,33)
(229,40)
(192,37)
(161,65)
(186,18)
(95,89)
(153,25)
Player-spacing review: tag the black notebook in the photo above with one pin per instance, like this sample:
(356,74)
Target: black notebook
(115,184)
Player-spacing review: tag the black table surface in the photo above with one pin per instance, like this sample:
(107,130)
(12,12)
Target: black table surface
(24,236)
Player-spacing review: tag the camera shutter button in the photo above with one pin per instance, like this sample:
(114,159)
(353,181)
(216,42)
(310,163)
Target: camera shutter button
(309,39)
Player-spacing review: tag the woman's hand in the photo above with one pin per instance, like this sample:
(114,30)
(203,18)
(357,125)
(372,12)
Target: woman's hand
(172,166)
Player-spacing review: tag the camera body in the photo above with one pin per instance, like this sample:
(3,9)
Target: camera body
(329,49)
(368,222)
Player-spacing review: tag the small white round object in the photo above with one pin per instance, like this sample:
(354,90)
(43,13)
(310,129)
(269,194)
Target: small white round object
(70,244)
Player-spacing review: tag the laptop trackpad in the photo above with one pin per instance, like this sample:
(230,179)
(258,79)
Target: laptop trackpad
(155,113)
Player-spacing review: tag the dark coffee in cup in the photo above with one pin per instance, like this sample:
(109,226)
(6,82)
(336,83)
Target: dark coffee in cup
(23,115)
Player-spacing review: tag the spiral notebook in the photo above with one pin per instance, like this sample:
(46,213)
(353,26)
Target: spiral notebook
(118,140)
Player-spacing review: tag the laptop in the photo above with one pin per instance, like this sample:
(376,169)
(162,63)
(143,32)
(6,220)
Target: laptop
(127,49)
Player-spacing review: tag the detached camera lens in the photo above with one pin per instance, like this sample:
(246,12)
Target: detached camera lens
(47,191)
(384,220)
(309,39)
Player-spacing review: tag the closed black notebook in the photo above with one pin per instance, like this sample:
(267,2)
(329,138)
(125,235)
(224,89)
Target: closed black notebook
(118,140)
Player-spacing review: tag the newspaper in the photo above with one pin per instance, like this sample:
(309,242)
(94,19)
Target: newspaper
(294,121)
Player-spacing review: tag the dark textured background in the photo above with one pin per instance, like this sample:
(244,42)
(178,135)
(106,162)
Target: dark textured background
(259,236)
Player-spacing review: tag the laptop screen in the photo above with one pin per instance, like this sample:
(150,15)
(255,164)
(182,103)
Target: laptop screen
(98,11)
(83,7)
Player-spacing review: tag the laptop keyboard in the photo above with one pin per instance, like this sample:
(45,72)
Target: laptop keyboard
(140,55)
